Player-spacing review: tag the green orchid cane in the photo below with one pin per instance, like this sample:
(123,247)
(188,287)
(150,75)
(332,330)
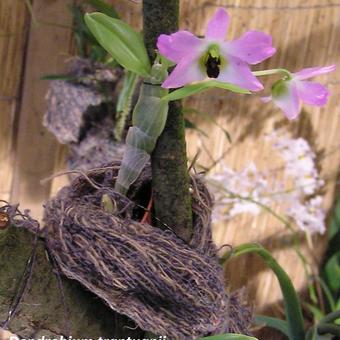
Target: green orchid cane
(148,120)
(150,113)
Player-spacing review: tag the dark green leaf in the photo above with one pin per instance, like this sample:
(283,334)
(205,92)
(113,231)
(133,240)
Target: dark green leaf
(275,323)
(79,29)
(317,313)
(84,37)
(327,292)
(191,89)
(335,221)
(331,265)
(337,305)
(103,7)
(311,333)
(331,317)
(291,300)
(326,328)
(332,272)
(97,53)
(121,41)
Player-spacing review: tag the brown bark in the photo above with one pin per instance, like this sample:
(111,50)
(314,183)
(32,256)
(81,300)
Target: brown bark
(170,178)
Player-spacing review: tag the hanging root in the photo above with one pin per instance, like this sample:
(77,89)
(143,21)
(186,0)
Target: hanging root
(165,285)
(10,215)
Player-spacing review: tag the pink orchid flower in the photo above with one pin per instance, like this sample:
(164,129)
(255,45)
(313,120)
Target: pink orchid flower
(213,56)
(288,93)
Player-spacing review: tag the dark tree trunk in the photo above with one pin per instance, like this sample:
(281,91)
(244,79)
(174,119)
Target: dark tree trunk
(170,179)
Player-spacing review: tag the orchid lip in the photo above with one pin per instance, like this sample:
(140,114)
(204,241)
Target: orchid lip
(213,66)
(280,88)
(211,61)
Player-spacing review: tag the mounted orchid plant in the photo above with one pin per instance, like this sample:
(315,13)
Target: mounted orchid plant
(201,63)
(187,65)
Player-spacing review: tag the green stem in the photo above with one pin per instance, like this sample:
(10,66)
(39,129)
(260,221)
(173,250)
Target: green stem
(272,71)
(327,328)
(327,293)
(268,321)
(170,178)
(291,300)
(311,333)
(330,317)
(324,326)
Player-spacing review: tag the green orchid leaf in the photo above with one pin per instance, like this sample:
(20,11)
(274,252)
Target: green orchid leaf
(337,305)
(291,300)
(327,331)
(327,292)
(81,32)
(97,53)
(84,37)
(229,336)
(334,230)
(121,41)
(102,7)
(332,272)
(331,317)
(271,322)
(312,333)
(336,219)
(317,313)
(191,89)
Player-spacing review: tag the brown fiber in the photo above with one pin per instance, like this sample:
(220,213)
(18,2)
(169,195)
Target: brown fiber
(165,285)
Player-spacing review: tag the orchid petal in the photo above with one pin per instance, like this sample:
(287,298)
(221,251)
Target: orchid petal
(186,71)
(218,26)
(237,72)
(253,47)
(313,72)
(289,102)
(312,93)
(178,45)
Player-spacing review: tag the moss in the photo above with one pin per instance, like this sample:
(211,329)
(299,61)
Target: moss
(170,177)
(159,17)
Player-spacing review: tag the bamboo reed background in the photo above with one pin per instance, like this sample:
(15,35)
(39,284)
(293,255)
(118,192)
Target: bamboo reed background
(305,34)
